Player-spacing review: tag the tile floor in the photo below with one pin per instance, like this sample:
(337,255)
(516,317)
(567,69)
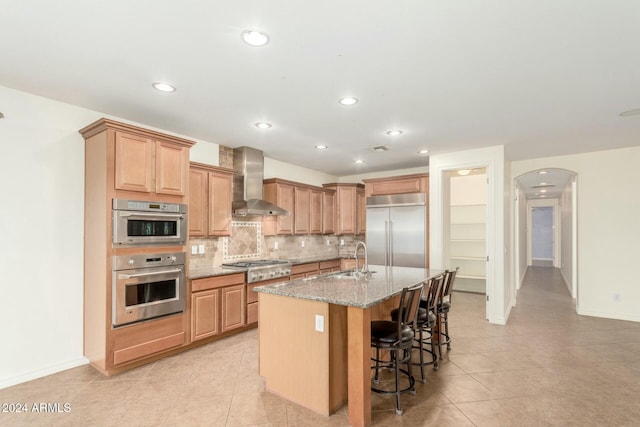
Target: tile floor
(548,366)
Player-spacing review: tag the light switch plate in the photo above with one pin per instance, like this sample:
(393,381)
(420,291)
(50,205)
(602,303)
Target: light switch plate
(194,250)
(201,249)
(319,323)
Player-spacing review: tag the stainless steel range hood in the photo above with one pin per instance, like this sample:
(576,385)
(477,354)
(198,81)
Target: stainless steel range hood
(248,165)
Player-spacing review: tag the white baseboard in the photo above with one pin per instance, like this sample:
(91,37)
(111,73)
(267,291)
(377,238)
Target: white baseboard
(42,372)
(606,315)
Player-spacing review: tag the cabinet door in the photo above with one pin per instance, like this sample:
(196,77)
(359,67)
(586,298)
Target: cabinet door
(328,212)
(172,168)
(301,210)
(234,307)
(198,205)
(315,212)
(134,166)
(361,212)
(285,199)
(220,204)
(346,212)
(205,314)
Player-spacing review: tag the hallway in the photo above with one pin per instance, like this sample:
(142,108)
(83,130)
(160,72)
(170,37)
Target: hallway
(547,366)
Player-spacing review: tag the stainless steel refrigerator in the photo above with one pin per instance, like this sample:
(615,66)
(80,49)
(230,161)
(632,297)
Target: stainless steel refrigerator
(397,230)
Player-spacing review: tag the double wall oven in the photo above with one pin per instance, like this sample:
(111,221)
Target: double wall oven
(147,284)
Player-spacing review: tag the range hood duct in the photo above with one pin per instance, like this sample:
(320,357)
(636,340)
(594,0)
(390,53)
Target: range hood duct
(248,165)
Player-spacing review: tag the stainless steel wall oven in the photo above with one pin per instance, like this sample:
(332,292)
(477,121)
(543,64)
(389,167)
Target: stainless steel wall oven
(147,286)
(138,223)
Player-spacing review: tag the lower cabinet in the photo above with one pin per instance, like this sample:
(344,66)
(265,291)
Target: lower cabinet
(218,305)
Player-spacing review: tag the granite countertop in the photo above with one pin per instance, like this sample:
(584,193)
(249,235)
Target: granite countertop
(305,260)
(336,288)
(199,273)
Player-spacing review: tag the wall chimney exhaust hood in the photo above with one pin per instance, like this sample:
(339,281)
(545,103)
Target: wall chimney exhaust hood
(248,165)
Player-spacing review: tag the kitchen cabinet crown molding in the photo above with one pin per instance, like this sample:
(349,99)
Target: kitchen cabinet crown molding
(104,124)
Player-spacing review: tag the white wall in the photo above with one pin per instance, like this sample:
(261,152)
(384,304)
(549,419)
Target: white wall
(499,286)
(523,250)
(566,236)
(608,228)
(277,169)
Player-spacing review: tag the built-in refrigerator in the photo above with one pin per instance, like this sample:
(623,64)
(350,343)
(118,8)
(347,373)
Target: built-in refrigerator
(397,230)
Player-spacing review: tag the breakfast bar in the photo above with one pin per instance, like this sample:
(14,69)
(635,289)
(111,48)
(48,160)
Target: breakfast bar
(315,336)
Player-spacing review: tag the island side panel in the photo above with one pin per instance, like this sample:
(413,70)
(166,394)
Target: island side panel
(359,366)
(294,357)
(338,328)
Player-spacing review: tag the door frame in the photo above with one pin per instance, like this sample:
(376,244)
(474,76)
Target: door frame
(544,203)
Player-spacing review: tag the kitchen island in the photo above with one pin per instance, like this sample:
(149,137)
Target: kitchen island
(315,336)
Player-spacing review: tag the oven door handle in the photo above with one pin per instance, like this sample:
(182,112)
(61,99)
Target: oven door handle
(151,215)
(154,273)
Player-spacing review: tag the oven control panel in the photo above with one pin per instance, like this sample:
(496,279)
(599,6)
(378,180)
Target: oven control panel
(126,262)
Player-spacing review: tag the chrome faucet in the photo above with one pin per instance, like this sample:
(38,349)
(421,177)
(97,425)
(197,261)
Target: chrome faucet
(365,267)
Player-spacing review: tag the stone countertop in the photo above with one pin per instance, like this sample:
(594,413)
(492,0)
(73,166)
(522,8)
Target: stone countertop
(336,288)
(319,258)
(199,273)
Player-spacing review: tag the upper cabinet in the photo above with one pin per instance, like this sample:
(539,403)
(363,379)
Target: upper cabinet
(348,217)
(210,195)
(311,209)
(418,183)
(140,160)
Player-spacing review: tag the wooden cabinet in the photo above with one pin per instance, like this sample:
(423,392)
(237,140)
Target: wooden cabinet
(128,162)
(218,305)
(347,264)
(302,200)
(280,193)
(328,211)
(300,271)
(150,165)
(346,213)
(210,200)
(361,211)
(329,266)
(315,211)
(205,314)
(417,183)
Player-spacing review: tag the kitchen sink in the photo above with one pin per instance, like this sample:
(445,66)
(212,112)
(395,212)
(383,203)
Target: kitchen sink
(352,274)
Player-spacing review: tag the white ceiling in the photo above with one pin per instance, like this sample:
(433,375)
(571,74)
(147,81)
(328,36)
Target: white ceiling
(542,78)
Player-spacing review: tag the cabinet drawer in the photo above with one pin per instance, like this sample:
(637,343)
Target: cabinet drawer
(311,267)
(217,282)
(147,348)
(348,264)
(334,263)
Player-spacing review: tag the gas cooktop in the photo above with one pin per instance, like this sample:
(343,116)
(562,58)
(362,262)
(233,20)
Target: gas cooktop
(262,269)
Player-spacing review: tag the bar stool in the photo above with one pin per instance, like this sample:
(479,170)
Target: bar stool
(443,307)
(397,337)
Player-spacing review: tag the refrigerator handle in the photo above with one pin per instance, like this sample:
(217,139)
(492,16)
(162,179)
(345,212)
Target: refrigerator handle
(386,243)
(391,243)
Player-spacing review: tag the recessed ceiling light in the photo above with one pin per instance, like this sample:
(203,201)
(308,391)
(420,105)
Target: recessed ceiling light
(163,87)
(394,132)
(358,161)
(423,152)
(543,191)
(321,147)
(629,113)
(464,172)
(542,172)
(263,125)
(348,100)
(543,183)
(255,38)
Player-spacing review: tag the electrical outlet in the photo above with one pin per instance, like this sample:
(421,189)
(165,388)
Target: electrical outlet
(341,242)
(328,242)
(275,245)
(200,249)
(194,250)
(302,243)
(319,323)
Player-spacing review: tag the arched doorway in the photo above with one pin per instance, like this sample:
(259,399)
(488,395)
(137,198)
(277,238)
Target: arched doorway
(555,189)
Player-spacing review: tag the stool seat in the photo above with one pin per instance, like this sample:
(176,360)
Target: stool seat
(386,332)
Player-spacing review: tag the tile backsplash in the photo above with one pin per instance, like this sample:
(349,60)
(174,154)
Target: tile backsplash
(247,242)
